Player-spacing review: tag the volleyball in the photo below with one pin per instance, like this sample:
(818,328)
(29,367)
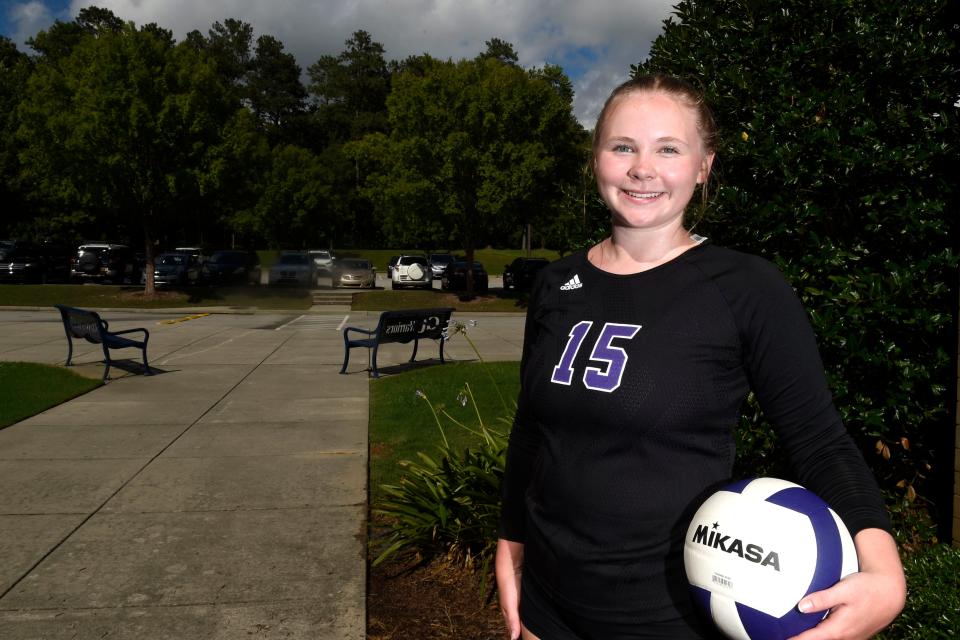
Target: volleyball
(755,548)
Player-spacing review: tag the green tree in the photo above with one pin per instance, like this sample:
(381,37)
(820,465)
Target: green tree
(274,90)
(230,43)
(96,20)
(501,50)
(124,126)
(474,147)
(295,206)
(350,100)
(838,122)
(58,41)
(351,89)
(15,69)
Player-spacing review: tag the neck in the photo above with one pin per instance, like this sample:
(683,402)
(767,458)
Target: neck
(634,250)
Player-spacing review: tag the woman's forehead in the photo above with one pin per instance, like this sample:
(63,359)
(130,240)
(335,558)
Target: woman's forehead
(651,113)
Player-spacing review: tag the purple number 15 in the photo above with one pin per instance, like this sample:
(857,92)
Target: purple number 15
(599,379)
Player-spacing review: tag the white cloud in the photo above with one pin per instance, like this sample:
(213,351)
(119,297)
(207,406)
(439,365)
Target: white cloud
(26,19)
(596,42)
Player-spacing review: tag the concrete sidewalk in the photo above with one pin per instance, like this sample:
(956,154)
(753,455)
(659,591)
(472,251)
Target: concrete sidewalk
(224,497)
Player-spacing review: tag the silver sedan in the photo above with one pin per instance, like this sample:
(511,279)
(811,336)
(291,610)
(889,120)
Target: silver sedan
(354,272)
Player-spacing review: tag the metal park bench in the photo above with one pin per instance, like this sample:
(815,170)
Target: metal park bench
(398,326)
(80,323)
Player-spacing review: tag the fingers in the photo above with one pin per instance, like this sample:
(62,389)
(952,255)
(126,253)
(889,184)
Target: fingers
(814,602)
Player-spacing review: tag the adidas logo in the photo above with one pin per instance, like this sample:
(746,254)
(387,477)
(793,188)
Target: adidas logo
(573,283)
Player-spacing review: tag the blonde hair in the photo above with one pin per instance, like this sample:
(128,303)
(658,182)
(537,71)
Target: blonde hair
(687,95)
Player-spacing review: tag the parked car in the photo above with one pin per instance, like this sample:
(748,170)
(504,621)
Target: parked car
(455,277)
(520,273)
(197,252)
(232,267)
(390,265)
(175,269)
(353,272)
(293,268)
(26,262)
(104,262)
(439,262)
(412,271)
(322,260)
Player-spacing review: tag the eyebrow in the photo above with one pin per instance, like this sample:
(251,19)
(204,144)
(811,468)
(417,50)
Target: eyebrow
(670,139)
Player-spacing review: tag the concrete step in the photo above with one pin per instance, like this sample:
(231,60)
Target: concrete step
(332,297)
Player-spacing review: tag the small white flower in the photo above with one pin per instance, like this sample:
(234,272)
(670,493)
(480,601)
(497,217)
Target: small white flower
(462,399)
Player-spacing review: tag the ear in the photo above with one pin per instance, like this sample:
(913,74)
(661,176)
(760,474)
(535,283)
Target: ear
(705,166)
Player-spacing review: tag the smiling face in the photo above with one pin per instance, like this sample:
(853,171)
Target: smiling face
(648,159)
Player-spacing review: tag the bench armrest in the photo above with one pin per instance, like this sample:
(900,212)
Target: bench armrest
(146,334)
(368,332)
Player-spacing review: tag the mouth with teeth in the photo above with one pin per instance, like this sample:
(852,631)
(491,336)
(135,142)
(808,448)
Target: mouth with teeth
(646,195)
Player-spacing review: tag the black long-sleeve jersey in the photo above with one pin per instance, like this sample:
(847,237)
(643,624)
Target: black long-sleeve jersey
(631,386)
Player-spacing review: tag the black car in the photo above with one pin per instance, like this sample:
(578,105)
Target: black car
(439,262)
(105,262)
(232,267)
(26,262)
(175,269)
(455,277)
(520,273)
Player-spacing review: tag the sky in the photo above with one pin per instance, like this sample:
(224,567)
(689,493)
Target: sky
(595,41)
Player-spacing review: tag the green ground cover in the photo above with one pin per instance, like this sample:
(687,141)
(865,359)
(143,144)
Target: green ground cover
(27,388)
(402,423)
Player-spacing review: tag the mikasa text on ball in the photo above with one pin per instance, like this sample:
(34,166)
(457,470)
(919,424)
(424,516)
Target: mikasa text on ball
(755,548)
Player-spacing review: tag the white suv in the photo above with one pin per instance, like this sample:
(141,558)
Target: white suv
(322,259)
(412,271)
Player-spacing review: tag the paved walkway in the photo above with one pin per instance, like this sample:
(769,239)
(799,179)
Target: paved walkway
(224,497)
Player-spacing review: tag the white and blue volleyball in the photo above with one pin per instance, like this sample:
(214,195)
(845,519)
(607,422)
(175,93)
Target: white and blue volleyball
(755,548)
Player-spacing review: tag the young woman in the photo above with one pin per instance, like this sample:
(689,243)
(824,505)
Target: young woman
(637,357)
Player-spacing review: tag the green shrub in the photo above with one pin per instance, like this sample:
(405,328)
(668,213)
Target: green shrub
(837,125)
(933,596)
(449,505)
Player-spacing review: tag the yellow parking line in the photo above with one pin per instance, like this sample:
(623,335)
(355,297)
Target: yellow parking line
(183,319)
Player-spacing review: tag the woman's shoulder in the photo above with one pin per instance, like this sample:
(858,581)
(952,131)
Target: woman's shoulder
(746,281)
(559,268)
(733,266)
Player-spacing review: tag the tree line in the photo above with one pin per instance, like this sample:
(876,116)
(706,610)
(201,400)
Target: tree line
(116,129)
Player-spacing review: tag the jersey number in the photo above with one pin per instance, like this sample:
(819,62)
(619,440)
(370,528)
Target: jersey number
(605,378)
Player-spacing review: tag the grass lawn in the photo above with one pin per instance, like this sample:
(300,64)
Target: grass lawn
(401,422)
(27,388)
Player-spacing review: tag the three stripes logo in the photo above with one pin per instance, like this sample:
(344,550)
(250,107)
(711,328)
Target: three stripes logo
(573,283)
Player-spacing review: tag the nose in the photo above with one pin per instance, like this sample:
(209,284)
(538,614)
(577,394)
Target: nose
(642,167)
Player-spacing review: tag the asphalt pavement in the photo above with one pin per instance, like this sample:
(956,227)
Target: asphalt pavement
(224,497)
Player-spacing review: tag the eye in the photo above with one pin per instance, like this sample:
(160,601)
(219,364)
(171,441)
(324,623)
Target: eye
(668,150)
(620,147)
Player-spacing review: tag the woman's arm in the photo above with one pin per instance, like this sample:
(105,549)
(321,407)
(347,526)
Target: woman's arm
(509,565)
(862,603)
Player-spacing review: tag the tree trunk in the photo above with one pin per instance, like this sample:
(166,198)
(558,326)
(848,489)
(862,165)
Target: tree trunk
(150,259)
